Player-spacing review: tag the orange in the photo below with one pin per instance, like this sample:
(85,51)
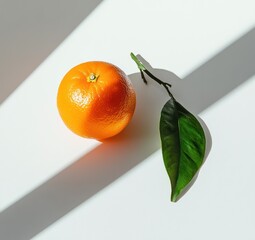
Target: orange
(96,100)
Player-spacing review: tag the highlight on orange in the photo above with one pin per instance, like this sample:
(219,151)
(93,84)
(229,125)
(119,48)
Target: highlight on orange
(96,100)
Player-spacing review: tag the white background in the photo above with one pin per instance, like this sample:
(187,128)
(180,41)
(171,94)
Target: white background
(55,185)
(30,30)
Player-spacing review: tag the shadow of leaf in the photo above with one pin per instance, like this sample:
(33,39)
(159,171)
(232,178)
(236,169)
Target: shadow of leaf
(91,173)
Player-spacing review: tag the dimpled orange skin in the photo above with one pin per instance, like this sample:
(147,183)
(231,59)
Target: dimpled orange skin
(96,100)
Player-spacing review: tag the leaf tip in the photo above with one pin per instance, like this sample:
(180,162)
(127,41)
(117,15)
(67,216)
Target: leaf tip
(174,198)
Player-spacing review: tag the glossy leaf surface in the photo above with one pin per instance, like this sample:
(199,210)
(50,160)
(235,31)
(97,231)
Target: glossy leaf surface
(183,145)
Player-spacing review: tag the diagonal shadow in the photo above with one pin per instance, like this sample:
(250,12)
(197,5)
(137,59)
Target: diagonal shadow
(113,158)
(30,31)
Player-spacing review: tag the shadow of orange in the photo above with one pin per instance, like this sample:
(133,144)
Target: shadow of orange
(113,158)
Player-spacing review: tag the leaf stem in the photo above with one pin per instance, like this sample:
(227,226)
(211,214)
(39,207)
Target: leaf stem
(143,70)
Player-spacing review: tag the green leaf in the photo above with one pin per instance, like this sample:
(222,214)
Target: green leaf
(183,145)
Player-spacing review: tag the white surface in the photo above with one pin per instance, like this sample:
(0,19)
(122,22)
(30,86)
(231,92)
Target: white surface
(54,185)
(30,30)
